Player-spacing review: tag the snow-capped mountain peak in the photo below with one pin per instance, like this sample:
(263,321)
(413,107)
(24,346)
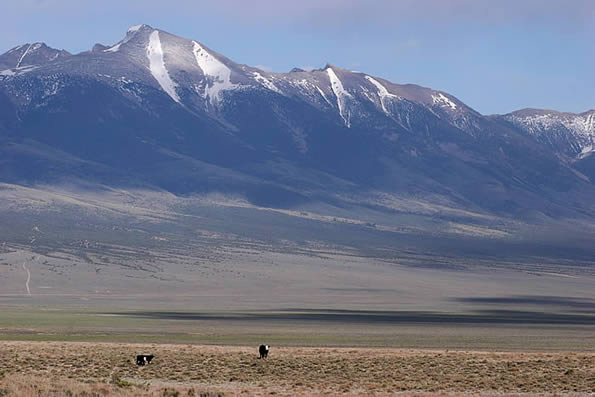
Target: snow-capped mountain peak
(130,33)
(30,54)
(198,78)
(572,134)
(136,28)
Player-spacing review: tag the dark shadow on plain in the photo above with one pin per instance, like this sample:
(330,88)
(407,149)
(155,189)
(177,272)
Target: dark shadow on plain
(375,317)
(575,303)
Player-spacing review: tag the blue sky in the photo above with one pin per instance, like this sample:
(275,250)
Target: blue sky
(496,56)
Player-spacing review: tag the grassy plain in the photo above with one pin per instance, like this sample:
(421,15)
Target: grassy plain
(352,300)
(107,369)
(315,328)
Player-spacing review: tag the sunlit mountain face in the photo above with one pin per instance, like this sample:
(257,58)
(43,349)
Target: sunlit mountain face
(160,112)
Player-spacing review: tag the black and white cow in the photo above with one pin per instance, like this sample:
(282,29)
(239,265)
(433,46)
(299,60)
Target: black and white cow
(263,350)
(143,359)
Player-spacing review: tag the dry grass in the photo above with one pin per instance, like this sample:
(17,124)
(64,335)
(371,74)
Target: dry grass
(96,369)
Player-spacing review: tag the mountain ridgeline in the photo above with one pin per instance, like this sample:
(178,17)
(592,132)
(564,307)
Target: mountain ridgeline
(156,111)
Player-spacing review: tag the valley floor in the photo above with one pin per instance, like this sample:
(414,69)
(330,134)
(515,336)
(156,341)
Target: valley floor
(348,301)
(108,369)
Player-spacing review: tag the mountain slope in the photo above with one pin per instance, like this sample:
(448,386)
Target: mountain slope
(161,112)
(566,133)
(570,136)
(29,55)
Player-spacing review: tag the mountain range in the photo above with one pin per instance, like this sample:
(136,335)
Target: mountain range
(159,112)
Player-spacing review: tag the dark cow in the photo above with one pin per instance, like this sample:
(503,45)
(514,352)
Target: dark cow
(264,351)
(143,359)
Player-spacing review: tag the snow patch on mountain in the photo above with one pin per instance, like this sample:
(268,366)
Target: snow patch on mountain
(587,151)
(126,39)
(538,123)
(52,87)
(323,95)
(115,48)
(134,28)
(23,56)
(589,123)
(382,93)
(266,82)
(18,71)
(157,66)
(129,35)
(303,85)
(217,74)
(16,48)
(442,100)
(341,94)
(575,130)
